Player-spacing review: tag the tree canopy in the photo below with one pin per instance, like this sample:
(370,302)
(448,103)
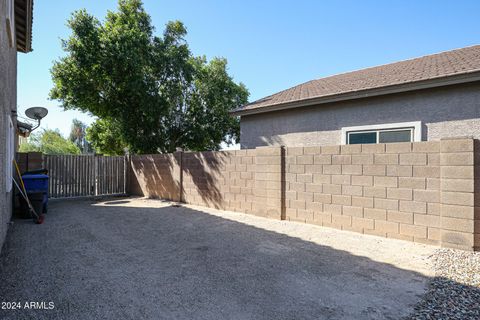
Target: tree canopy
(78,136)
(49,142)
(150,93)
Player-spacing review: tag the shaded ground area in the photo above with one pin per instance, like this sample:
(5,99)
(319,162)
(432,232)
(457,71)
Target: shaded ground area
(144,259)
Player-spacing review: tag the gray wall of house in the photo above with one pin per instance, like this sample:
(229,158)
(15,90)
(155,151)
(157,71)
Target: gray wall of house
(8,101)
(445,112)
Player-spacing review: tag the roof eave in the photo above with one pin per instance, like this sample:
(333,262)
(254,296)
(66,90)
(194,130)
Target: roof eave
(23,25)
(360,94)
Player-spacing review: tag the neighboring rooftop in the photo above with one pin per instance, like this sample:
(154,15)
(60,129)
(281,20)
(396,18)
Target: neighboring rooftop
(455,66)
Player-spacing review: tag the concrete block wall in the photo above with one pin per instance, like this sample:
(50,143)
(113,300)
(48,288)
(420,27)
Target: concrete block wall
(426,192)
(242,180)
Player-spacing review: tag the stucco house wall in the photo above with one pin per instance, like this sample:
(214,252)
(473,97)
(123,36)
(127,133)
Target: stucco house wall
(8,102)
(449,111)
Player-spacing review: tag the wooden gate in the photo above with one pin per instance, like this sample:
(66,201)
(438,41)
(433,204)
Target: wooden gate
(85,175)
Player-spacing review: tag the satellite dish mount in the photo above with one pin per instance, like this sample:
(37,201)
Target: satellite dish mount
(36,113)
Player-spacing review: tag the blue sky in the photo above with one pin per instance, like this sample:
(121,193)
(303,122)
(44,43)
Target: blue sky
(270,45)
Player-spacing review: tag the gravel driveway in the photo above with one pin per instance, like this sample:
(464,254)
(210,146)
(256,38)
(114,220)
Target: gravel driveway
(146,259)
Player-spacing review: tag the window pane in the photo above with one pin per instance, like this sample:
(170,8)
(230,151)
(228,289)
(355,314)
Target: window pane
(395,136)
(362,137)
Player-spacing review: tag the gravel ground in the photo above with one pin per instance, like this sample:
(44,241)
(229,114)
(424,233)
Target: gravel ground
(145,259)
(454,293)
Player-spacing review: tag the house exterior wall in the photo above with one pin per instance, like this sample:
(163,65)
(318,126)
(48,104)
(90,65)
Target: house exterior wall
(8,102)
(444,112)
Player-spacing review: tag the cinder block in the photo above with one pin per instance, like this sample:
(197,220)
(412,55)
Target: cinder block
(311,150)
(291,195)
(457,172)
(426,220)
(332,189)
(362,180)
(305,178)
(430,146)
(332,208)
(374,232)
(352,211)
(457,240)
(363,223)
(413,183)
(350,149)
(376,214)
(377,192)
(385,182)
(455,211)
(413,230)
(341,220)
(386,158)
(399,236)
(352,190)
(434,209)
(388,204)
(267,151)
(427,171)
(433,159)
(305,159)
(400,193)
(294,168)
(413,206)
(293,151)
(433,183)
(362,158)
(341,199)
(341,179)
(341,159)
(268,160)
(374,170)
(304,215)
(456,159)
(330,150)
(417,159)
(321,178)
(305,196)
(322,197)
(456,145)
(455,224)
(322,159)
(351,169)
(313,168)
(400,147)
(426,195)
(458,198)
(386,226)
(458,185)
(297,204)
(363,202)
(310,187)
(297,186)
(314,206)
(397,216)
(399,171)
(373,148)
(332,169)
(434,234)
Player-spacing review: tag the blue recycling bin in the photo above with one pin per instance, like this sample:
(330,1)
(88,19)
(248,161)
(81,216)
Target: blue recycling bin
(35,184)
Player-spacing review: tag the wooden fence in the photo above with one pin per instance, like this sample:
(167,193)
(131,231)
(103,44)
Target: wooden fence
(85,175)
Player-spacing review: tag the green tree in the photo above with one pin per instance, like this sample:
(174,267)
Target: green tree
(49,142)
(105,138)
(78,136)
(149,91)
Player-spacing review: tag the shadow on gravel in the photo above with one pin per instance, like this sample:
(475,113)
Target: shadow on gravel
(117,262)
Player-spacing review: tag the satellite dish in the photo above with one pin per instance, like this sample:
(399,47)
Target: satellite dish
(36,113)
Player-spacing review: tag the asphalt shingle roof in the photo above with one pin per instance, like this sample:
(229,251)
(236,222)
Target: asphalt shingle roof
(435,66)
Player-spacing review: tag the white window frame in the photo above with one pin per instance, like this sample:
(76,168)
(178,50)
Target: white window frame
(416,127)
(10,153)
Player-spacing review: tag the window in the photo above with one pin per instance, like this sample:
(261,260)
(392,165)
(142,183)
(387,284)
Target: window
(386,133)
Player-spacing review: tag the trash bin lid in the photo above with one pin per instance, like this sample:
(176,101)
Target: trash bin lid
(34,176)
